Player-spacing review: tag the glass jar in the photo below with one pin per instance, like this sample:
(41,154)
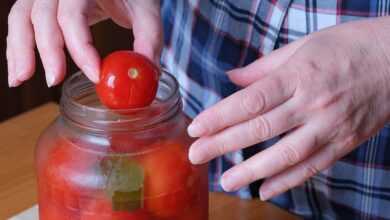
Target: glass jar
(95,163)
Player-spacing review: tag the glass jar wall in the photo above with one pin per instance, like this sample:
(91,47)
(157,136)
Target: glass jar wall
(95,163)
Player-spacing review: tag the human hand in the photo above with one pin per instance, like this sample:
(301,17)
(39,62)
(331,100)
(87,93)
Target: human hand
(329,91)
(52,24)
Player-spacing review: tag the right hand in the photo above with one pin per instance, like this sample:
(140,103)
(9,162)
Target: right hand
(53,24)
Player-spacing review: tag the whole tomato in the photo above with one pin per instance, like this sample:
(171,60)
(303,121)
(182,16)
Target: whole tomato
(127,80)
(168,180)
(60,180)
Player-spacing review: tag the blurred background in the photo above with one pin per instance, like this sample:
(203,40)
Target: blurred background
(107,37)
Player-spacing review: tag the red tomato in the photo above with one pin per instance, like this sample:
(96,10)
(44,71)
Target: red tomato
(64,161)
(51,212)
(101,210)
(126,143)
(167,180)
(127,80)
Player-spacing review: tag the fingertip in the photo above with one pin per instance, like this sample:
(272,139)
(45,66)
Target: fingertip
(12,82)
(148,51)
(193,156)
(228,181)
(73,22)
(20,68)
(224,184)
(88,60)
(195,129)
(10,66)
(266,191)
(92,72)
(53,78)
(263,195)
(148,41)
(55,67)
(235,76)
(24,70)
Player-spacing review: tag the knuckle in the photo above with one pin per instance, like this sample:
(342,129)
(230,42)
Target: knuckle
(260,128)
(222,147)
(290,155)
(305,100)
(343,145)
(310,65)
(218,120)
(327,97)
(353,139)
(253,103)
(309,170)
(212,120)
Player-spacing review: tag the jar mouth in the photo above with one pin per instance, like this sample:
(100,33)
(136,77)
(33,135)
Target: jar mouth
(81,106)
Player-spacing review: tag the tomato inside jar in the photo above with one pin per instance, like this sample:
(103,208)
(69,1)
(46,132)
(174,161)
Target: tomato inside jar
(95,162)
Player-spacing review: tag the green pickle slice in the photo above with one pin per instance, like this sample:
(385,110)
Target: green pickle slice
(124,183)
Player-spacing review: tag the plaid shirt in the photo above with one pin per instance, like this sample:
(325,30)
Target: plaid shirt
(205,38)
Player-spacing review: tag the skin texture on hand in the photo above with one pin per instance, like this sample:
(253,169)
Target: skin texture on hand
(328,91)
(51,25)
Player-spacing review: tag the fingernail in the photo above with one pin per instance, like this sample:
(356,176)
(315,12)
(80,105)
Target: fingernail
(232,72)
(228,181)
(229,72)
(50,79)
(265,193)
(195,129)
(12,82)
(194,157)
(92,73)
(20,74)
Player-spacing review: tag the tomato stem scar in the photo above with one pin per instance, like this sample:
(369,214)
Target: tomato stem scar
(133,73)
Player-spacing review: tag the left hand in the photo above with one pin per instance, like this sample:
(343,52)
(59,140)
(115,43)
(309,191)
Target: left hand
(329,92)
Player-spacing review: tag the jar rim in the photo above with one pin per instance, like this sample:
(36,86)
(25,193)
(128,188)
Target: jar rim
(80,105)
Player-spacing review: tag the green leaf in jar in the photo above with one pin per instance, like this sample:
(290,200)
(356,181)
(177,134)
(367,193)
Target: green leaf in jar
(124,183)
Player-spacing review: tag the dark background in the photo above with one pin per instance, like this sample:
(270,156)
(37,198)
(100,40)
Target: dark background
(107,37)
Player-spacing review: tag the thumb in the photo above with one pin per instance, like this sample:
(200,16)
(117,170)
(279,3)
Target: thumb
(257,70)
(147,29)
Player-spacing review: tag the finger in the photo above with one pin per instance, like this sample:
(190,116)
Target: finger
(260,68)
(118,11)
(245,104)
(247,133)
(49,40)
(147,41)
(20,41)
(11,66)
(73,21)
(289,151)
(299,173)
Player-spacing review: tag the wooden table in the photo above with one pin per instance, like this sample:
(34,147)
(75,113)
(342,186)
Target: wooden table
(17,181)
